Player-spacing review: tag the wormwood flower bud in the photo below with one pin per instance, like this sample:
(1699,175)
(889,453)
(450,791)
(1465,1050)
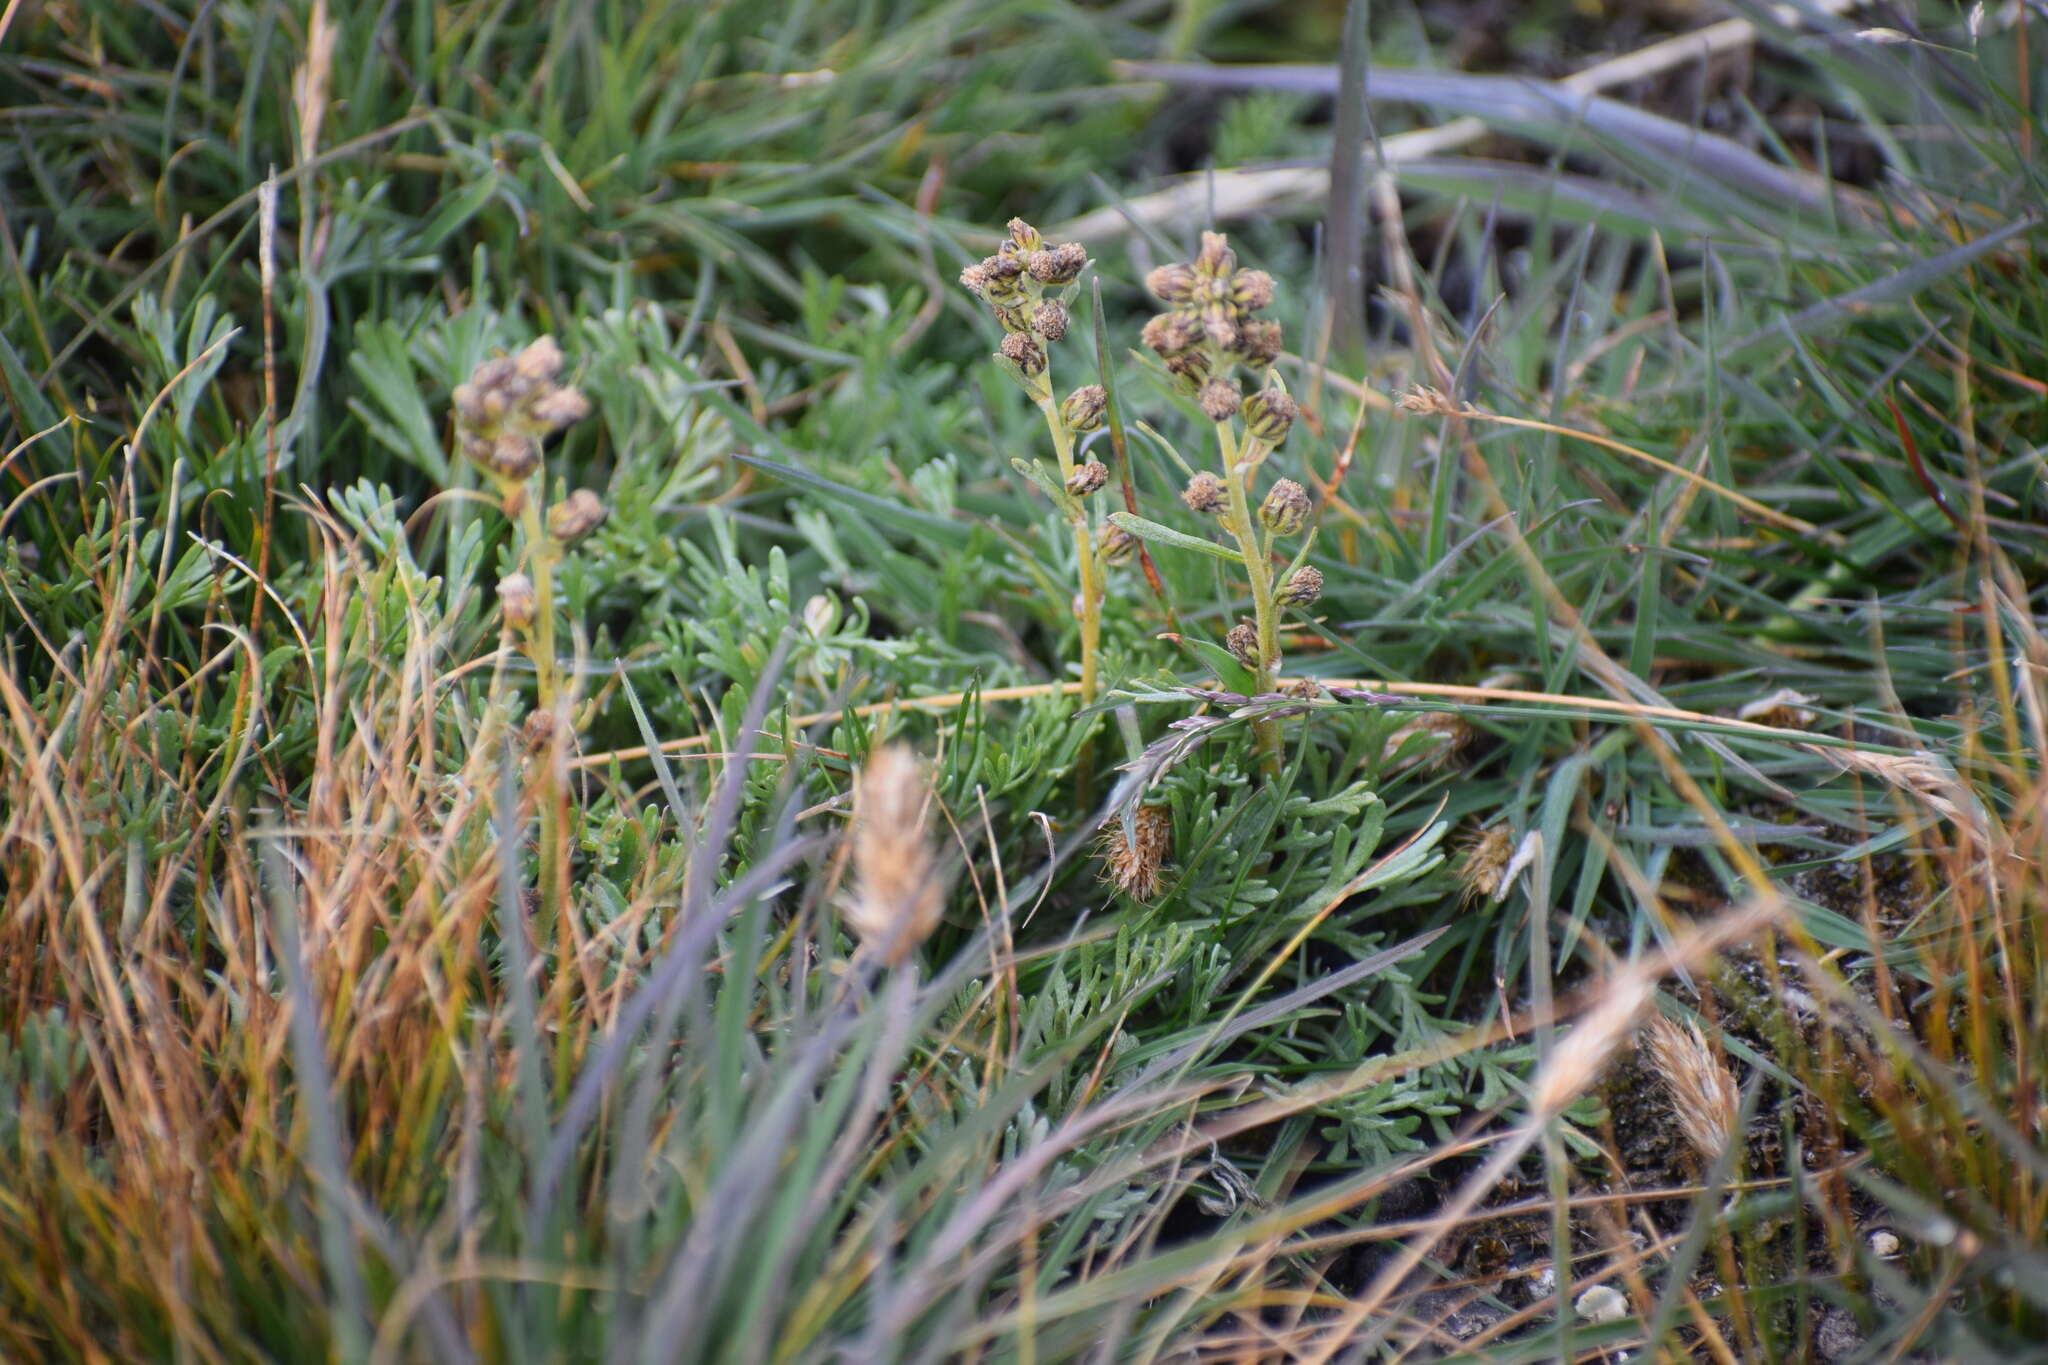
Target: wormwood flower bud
(1285,508)
(1259,342)
(1088,478)
(1169,334)
(1218,400)
(516,600)
(1172,283)
(1190,369)
(469,405)
(1027,355)
(1025,236)
(559,408)
(540,362)
(1268,414)
(576,516)
(1251,290)
(1205,493)
(1116,545)
(1215,260)
(1049,320)
(1243,642)
(512,457)
(1060,264)
(1084,407)
(1302,587)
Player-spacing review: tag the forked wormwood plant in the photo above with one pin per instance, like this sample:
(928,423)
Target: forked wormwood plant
(1026,285)
(502,414)
(1211,342)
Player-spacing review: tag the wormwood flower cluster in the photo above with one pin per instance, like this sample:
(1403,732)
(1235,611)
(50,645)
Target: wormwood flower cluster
(1026,285)
(1218,351)
(1210,334)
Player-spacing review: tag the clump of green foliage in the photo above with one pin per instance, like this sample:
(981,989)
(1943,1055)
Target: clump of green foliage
(498,495)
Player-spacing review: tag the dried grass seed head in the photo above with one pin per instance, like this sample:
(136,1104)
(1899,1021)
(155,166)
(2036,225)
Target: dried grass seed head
(897,896)
(1482,861)
(1704,1097)
(1134,860)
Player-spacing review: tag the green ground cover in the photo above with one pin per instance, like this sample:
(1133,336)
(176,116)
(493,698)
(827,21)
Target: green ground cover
(1471,792)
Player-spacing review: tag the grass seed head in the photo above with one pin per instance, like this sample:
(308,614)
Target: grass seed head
(1703,1095)
(897,897)
(1483,863)
(1133,861)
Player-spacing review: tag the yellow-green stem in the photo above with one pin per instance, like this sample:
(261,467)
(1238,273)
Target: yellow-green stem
(1084,545)
(541,555)
(1240,466)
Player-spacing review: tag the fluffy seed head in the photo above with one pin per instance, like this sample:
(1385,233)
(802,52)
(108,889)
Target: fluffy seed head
(1083,409)
(1132,860)
(1205,493)
(1704,1096)
(1285,509)
(897,898)
(576,516)
(1087,478)
(1483,863)
(1424,401)
(1218,400)
(1302,587)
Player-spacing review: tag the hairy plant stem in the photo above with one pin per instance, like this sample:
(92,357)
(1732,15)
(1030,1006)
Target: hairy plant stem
(1084,541)
(1240,466)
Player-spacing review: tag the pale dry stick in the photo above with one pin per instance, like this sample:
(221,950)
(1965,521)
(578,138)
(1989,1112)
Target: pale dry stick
(950,701)
(1225,195)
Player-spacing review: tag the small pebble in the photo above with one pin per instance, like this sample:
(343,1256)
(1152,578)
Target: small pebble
(1603,1303)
